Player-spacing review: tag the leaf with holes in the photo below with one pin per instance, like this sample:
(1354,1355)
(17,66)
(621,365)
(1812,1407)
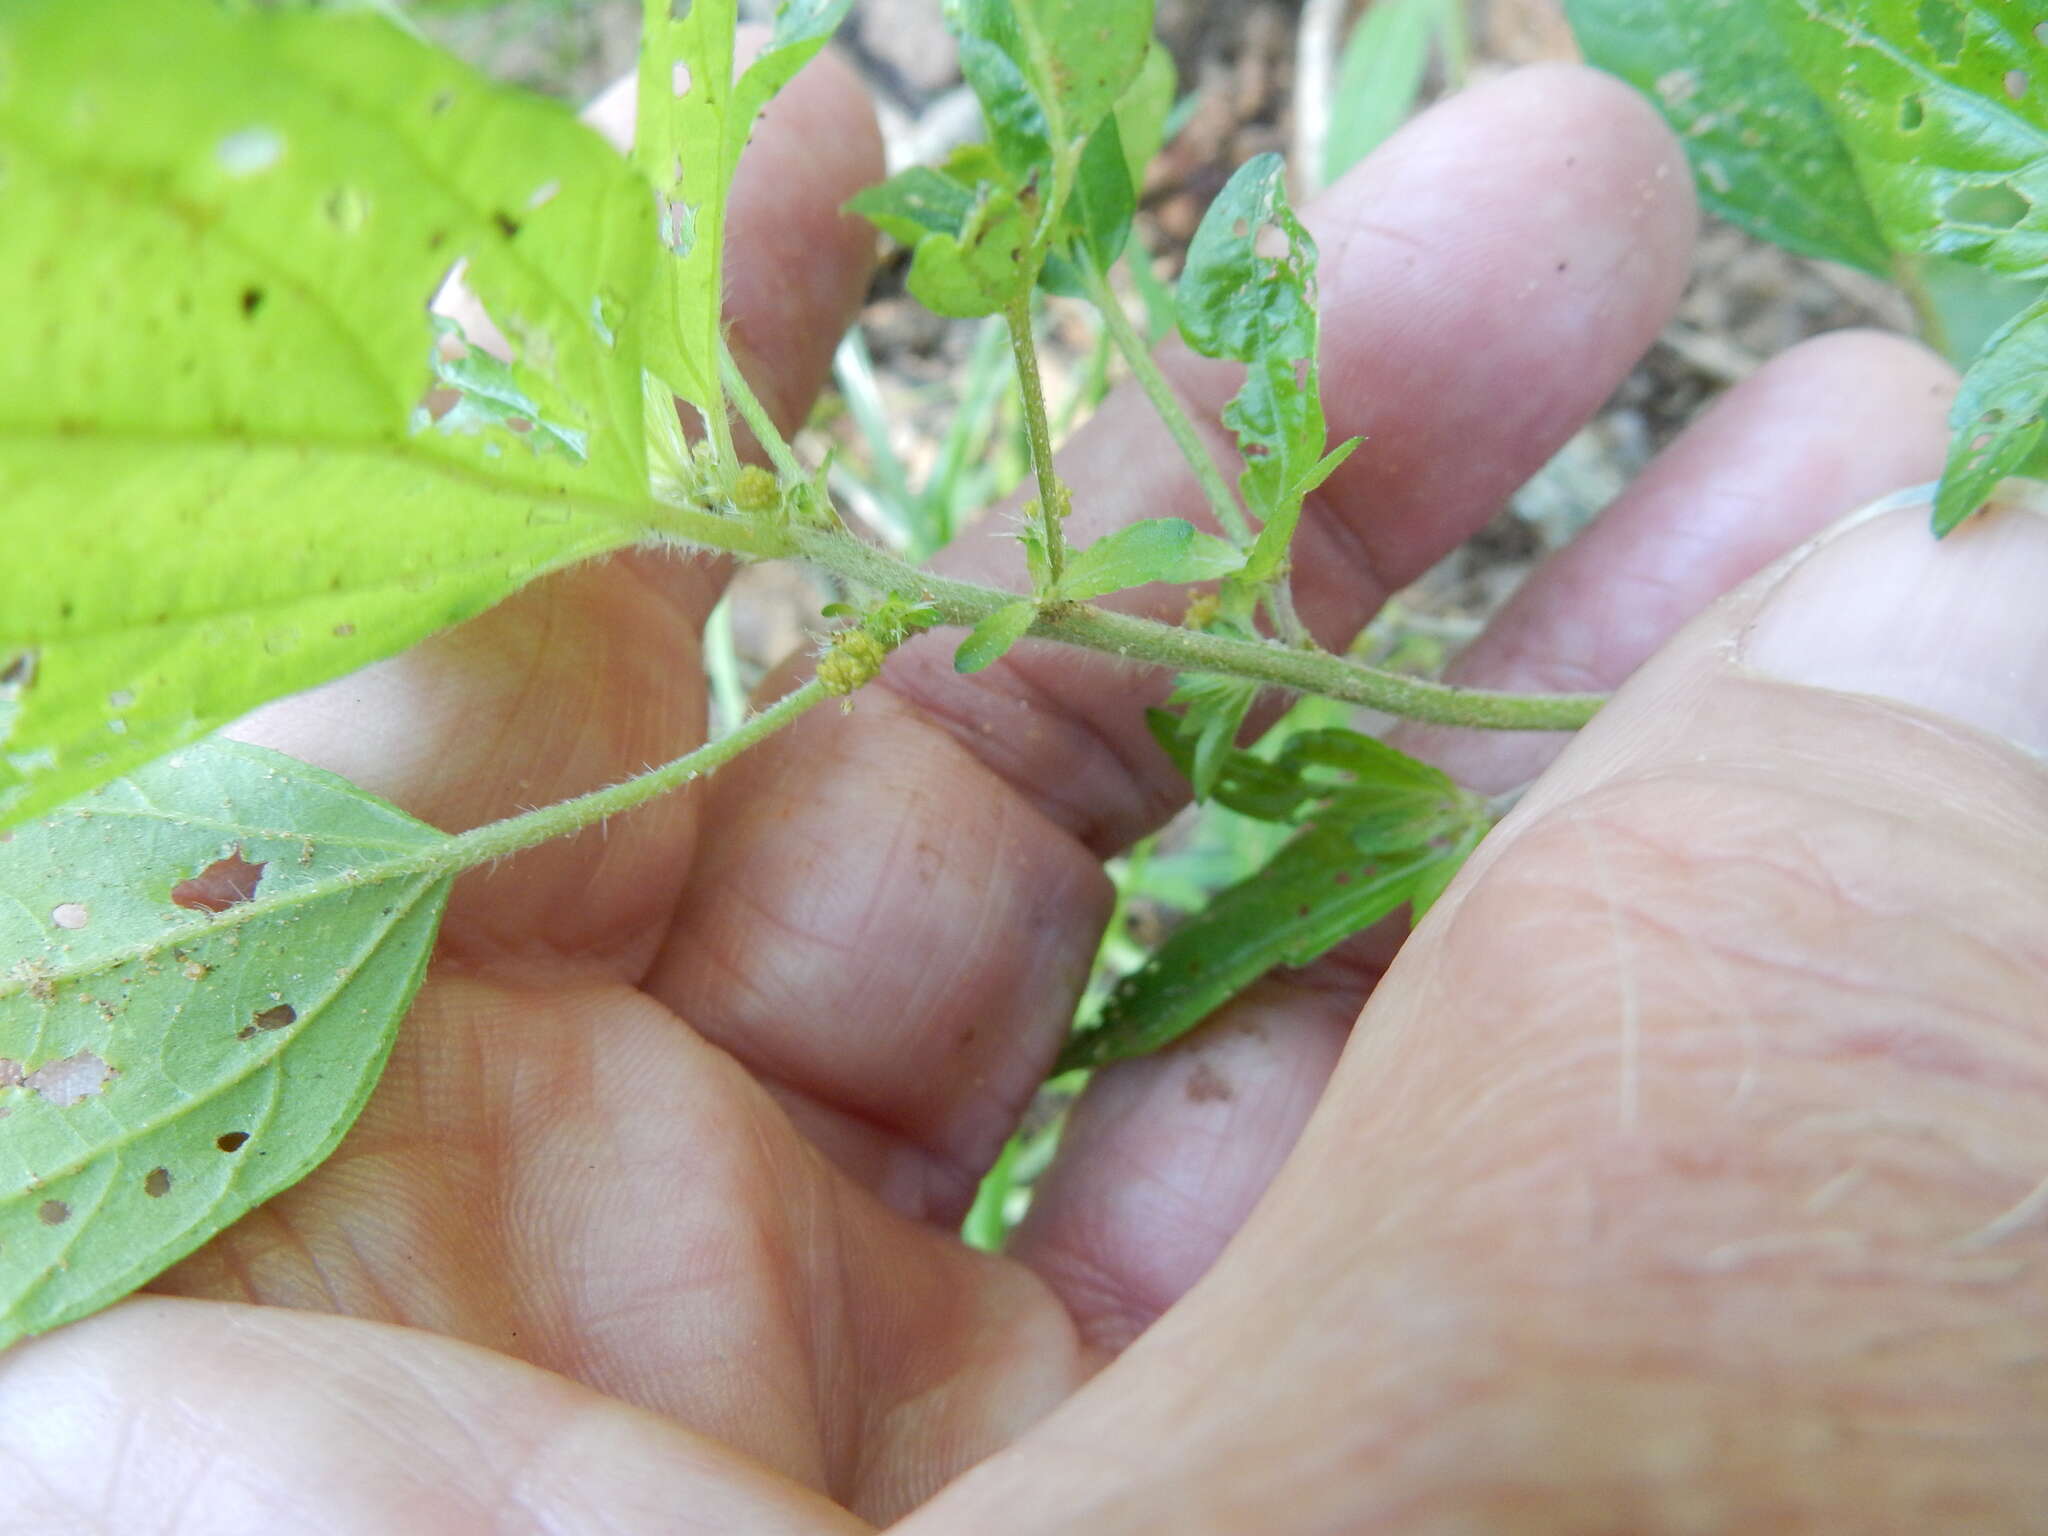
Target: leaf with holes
(209,975)
(1764,151)
(219,230)
(1239,301)
(1943,106)
(1998,418)
(692,122)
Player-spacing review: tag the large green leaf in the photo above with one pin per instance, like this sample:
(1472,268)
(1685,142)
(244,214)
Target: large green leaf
(219,230)
(206,979)
(1764,151)
(1944,108)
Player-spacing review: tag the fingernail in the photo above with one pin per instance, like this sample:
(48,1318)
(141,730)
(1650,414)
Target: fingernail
(1958,626)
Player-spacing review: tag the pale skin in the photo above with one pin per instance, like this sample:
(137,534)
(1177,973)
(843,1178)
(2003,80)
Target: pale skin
(1674,1179)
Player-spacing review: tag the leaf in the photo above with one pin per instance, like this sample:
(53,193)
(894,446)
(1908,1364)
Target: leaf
(1142,112)
(1997,418)
(1157,549)
(208,981)
(994,635)
(1238,303)
(1202,739)
(693,120)
(1764,150)
(1943,107)
(1379,78)
(1328,883)
(1098,213)
(1080,57)
(983,268)
(914,203)
(216,485)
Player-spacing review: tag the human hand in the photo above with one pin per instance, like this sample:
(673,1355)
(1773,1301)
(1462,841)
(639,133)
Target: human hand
(1631,1197)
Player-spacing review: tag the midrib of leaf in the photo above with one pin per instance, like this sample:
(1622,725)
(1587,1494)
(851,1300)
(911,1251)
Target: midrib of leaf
(427,859)
(260,1062)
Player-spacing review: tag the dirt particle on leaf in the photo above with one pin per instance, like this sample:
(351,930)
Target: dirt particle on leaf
(70,914)
(67,1081)
(252,301)
(507,225)
(222,884)
(19,671)
(157,1183)
(231,1141)
(1208,1086)
(53,1213)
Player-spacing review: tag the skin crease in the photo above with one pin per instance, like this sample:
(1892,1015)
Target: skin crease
(1651,1195)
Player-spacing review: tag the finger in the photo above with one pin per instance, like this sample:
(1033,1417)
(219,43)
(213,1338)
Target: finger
(1692,1152)
(931,935)
(1185,1143)
(170,1415)
(591,675)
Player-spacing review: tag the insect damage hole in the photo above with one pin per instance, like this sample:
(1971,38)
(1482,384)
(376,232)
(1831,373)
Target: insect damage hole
(231,1141)
(224,883)
(269,1018)
(53,1213)
(157,1183)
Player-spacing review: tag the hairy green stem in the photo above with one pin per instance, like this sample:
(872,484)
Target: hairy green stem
(1024,347)
(1159,390)
(1120,634)
(515,833)
(756,416)
(451,855)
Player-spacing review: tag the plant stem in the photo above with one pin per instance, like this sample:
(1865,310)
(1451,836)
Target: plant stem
(1120,634)
(449,856)
(500,838)
(1152,379)
(1024,347)
(756,416)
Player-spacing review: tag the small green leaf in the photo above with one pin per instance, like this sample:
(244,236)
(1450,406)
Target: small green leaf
(1158,549)
(1239,303)
(985,266)
(1202,739)
(1332,880)
(1998,418)
(1764,150)
(994,635)
(216,481)
(1943,106)
(206,986)
(914,203)
(1098,213)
